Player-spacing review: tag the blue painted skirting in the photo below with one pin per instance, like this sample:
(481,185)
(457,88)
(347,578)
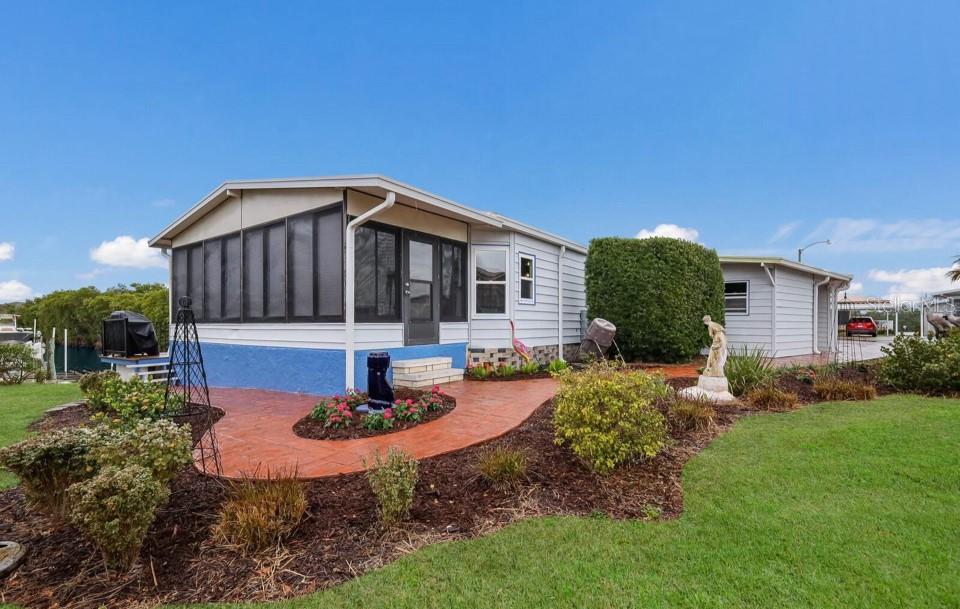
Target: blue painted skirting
(318,371)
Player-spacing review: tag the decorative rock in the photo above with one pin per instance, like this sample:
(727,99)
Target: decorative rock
(713,388)
(11,556)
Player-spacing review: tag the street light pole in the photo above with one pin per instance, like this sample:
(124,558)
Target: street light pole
(809,245)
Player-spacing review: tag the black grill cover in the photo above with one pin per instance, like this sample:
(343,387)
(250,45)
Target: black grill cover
(127,333)
(378,389)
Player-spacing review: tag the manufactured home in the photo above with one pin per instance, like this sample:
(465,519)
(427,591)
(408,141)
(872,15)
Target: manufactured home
(786,308)
(294,281)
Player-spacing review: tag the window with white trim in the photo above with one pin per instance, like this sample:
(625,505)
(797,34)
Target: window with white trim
(528,279)
(490,280)
(736,297)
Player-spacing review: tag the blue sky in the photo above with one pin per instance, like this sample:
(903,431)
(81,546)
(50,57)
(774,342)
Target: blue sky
(759,125)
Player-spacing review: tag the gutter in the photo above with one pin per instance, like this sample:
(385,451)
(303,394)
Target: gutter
(563,250)
(349,287)
(816,312)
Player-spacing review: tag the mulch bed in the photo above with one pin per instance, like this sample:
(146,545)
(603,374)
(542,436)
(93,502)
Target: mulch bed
(340,538)
(311,428)
(77,414)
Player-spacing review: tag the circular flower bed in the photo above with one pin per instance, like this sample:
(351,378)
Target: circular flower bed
(336,417)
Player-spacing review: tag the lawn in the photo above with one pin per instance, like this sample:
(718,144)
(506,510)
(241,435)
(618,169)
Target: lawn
(837,505)
(21,404)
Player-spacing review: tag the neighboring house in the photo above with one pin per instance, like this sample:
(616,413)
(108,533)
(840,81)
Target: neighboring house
(295,281)
(786,308)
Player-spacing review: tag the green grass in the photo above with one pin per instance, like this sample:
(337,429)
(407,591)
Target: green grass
(21,404)
(844,505)
(841,505)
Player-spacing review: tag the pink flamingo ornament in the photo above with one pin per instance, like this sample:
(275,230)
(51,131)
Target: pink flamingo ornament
(520,348)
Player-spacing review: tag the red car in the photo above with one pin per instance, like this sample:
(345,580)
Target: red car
(862,325)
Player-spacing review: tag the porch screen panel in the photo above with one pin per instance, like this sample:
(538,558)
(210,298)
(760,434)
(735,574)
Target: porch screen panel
(329,237)
(453,282)
(180,284)
(300,242)
(388,276)
(253,308)
(231,278)
(365,275)
(276,252)
(195,290)
(212,280)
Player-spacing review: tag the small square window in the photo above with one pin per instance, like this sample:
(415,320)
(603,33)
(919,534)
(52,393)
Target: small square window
(736,297)
(528,280)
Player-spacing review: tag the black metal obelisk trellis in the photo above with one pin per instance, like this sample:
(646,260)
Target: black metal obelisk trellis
(187,398)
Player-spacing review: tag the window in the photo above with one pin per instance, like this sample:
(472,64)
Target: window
(315,261)
(736,296)
(188,278)
(377,274)
(528,282)
(453,281)
(264,273)
(491,281)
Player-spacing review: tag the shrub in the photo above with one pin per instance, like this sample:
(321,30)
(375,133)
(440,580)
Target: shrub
(656,291)
(393,480)
(17,364)
(505,370)
(115,509)
(747,369)
(834,389)
(917,364)
(480,372)
(379,421)
(127,401)
(531,367)
(503,467)
(771,397)
(557,366)
(161,447)
(49,463)
(691,415)
(261,513)
(607,416)
(93,386)
(334,412)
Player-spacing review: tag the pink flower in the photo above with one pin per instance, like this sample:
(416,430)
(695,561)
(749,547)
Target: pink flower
(341,407)
(388,414)
(348,414)
(409,401)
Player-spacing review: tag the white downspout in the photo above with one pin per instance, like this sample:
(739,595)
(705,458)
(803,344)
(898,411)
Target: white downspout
(348,314)
(816,313)
(563,250)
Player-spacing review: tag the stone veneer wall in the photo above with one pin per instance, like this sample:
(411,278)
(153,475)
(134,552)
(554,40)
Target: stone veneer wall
(506,355)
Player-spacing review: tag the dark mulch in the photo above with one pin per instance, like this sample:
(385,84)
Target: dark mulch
(340,538)
(519,376)
(78,414)
(311,428)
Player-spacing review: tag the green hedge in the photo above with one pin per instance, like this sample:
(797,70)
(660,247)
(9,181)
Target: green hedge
(656,291)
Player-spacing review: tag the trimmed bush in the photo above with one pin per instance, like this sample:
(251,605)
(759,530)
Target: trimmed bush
(503,467)
(93,386)
(656,291)
(835,390)
(162,447)
(608,416)
(17,364)
(126,402)
(49,463)
(748,369)
(115,509)
(393,480)
(771,397)
(913,363)
(691,415)
(261,513)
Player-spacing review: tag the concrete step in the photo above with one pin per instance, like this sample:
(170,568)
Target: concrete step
(422,364)
(427,378)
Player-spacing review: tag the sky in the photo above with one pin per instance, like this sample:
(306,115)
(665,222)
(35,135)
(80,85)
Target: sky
(751,127)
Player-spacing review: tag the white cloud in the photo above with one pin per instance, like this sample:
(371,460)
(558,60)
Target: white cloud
(911,284)
(14,291)
(864,235)
(856,287)
(125,251)
(783,231)
(670,230)
(6,251)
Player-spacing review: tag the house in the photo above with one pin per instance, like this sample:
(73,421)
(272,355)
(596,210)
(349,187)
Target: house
(786,308)
(294,281)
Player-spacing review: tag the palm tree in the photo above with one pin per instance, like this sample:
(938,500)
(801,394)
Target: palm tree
(954,273)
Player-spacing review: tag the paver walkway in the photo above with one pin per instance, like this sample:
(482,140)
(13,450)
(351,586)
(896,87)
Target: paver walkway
(256,433)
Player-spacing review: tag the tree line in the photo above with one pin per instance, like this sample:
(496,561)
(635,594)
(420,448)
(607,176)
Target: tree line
(80,311)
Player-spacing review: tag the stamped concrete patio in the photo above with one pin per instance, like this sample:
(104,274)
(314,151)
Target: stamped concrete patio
(256,434)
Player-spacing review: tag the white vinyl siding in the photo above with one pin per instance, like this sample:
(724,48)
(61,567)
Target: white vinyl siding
(794,312)
(574,295)
(754,330)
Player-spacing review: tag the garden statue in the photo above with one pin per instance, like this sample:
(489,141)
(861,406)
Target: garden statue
(717,359)
(712,384)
